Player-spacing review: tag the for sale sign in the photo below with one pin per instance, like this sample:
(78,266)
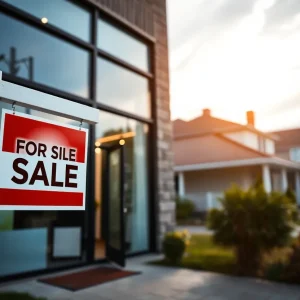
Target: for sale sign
(42,164)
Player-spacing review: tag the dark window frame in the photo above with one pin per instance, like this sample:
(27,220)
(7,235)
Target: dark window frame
(107,107)
(59,33)
(97,11)
(118,26)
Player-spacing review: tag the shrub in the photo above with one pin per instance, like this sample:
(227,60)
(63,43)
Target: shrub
(253,222)
(292,270)
(184,208)
(292,196)
(174,245)
(274,262)
(275,271)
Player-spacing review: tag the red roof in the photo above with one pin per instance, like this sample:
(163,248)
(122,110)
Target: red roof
(211,148)
(201,125)
(207,124)
(287,139)
(202,140)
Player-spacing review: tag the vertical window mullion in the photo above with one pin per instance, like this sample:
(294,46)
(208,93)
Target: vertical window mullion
(90,197)
(94,56)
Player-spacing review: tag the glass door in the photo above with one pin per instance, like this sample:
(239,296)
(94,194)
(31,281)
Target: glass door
(113,204)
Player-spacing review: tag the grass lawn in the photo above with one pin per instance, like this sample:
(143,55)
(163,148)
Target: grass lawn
(18,296)
(203,254)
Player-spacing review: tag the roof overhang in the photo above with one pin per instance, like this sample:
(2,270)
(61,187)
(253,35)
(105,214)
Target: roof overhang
(274,161)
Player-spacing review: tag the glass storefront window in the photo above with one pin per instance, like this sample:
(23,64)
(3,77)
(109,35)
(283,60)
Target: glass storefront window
(110,130)
(37,240)
(47,60)
(122,45)
(122,89)
(60,13)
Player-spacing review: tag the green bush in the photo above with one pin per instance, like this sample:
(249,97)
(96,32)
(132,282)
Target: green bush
(184,208)
(174,245)
(292,196)
(275,262)
(253,222)
(274,271)
(292,270)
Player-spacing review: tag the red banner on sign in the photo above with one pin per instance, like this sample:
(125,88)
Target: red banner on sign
(38,198)
(43,164)
(27,129)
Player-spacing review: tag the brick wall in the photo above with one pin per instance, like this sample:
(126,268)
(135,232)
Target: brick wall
(166,188)
(150,17)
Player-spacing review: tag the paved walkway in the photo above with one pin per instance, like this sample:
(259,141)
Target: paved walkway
(157,283)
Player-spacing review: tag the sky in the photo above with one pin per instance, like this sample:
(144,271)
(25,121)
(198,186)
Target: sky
(236,55)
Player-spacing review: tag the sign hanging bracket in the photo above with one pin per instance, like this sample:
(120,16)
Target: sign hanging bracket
(14,107)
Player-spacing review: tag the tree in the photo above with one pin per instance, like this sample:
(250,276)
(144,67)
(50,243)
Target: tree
(253,222)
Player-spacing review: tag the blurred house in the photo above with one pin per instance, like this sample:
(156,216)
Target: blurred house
(211,154)
(288,145)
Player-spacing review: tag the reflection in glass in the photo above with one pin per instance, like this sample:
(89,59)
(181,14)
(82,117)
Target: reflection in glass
(122,45)
(25,236)
(122,89)
(63,14)
(110,130)
(114,200)
(55,63)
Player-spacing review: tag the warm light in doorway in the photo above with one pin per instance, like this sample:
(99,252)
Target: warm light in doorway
(122,142)
(97,144)
(97,150)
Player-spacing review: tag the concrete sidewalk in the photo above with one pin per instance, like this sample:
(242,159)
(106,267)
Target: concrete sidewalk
(157,283)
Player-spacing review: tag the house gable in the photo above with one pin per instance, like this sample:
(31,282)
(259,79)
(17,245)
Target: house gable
(253,140)
(246,135)
(210,148)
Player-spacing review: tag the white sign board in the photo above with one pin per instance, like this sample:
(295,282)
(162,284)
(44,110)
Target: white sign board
(43,164)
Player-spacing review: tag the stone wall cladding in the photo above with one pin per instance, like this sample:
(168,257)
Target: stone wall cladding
(150,16)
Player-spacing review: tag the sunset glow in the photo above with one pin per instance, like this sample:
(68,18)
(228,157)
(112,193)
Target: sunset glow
(236,56)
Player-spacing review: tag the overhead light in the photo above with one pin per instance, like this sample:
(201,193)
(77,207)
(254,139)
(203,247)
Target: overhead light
(44,20)
(122,142)
(97,144)
(116,137)
(98,150)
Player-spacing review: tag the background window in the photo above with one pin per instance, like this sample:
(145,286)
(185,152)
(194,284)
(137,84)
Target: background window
(110,129)
(295,154)
(122,89)
(54,62)
(122,45)
(61,13)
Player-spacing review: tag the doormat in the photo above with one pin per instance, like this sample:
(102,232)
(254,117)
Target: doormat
(87,278)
